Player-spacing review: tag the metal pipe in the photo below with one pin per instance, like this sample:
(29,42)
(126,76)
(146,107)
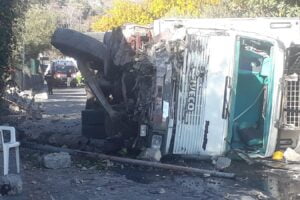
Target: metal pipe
(128,160)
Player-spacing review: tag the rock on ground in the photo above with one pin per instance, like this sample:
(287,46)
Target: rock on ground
(222,163)
(11,184)
(57,160)
(151,154)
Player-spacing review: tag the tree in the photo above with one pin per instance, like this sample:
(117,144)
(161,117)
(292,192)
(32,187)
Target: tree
(254,8)
(44,16)
(40,23)
(75,14)
(11,14)
(126,11)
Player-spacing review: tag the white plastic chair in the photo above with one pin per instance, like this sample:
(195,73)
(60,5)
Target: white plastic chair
(7,145)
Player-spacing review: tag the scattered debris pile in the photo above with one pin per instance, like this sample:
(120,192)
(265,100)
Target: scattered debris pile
(109,158)
(22,103)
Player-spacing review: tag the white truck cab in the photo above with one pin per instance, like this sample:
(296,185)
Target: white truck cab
(236,87)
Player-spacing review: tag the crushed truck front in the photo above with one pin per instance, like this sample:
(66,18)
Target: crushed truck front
(196,82)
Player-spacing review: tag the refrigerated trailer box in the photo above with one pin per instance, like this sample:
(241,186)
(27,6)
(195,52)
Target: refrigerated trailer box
(234,86)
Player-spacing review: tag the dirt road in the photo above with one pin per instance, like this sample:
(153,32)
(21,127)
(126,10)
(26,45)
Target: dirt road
(93,180)
(61,113)
(64,101)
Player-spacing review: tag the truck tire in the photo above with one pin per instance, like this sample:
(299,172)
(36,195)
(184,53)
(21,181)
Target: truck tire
(93,131)
(93,117)
(76,44)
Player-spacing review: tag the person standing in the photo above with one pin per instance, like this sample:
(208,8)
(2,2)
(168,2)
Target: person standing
(50,81)
(69,77)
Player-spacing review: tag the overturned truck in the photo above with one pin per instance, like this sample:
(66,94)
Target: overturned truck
(198,87)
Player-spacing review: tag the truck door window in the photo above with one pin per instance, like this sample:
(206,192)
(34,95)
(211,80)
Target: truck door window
(253,79)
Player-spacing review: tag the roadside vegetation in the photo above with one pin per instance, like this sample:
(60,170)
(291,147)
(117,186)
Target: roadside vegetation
(254,8)
(146,11)
(11,16)
(27,26)
(43,17)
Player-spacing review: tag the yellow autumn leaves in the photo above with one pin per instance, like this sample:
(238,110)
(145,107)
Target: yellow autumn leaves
(127,11)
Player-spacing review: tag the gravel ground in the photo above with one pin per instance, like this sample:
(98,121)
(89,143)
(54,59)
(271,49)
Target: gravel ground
(93,180)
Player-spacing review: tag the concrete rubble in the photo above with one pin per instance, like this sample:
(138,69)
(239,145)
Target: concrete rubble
(22,102)
(291,155)
(57,160)
(222,163)
(151,154)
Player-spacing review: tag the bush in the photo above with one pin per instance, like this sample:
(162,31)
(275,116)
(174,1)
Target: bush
(254,8)
(11,14)
(126,11)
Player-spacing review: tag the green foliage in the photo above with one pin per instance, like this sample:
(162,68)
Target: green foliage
(40,23)
(146,11)
(44,16)
(254,8)
(28,25)
(11,13)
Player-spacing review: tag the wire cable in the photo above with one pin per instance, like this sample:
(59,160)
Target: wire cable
(249,107)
